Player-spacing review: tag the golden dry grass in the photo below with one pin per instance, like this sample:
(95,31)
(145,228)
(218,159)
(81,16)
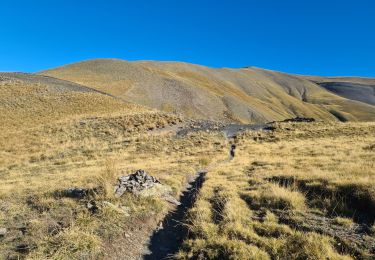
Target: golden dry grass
(39,162)
(75,139)
(30,104)
(52,140)
(241,203)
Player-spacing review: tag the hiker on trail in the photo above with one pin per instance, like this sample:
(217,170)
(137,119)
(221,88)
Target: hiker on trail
(232,148)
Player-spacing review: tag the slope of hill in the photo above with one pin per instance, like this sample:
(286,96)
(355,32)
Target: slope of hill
(243,95)
(361,89)
(55,135)
(30,100)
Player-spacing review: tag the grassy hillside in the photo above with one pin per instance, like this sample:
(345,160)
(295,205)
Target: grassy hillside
(30,100)
(244,95)
(302,191)
(306,185)
(55,135)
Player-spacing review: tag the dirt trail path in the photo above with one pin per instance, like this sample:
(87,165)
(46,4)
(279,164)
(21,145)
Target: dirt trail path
(168,238)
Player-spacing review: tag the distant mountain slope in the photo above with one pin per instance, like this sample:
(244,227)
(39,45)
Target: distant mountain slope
(244,95)
(27,100)
(360,92)
(361,89)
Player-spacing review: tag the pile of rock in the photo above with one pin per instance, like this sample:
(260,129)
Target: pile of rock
(300,119)
(139,183)
(135,183)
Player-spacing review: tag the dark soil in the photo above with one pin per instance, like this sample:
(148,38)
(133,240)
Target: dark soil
(166,241)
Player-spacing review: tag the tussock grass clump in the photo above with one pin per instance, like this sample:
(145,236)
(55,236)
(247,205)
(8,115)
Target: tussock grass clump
(271,229)
(222,248)
(276,197)
(219,202)
(308,246)
(346,222)
(71,243)
(106,179)
(205,161)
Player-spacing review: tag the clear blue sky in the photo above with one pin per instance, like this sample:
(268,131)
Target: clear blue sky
(324,37)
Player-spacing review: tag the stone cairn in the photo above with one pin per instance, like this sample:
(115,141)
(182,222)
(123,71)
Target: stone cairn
(135,183)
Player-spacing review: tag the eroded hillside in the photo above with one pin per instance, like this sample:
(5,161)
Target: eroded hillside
(242,95)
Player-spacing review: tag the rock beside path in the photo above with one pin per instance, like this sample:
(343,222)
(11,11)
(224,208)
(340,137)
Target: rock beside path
(135,183)
(139,183)
(76,193)
(144,185)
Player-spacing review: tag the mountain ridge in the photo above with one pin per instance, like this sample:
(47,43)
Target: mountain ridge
(242,95)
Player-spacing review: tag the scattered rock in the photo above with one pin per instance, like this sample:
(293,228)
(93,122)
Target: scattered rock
(294,120)
(269,128)
(135,183)
(172,200)
(299,119)
(3,232)
(200,125)
(76,193)
(160,226)
(22,230)
(22,248)
(91,206)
